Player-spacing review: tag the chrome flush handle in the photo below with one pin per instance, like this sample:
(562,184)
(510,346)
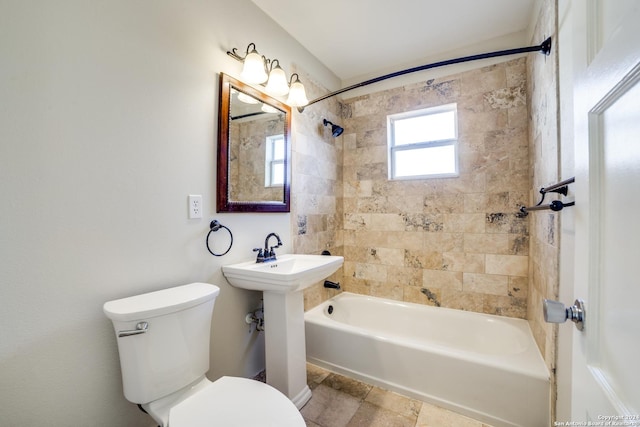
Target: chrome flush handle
(556,312)
(141,328)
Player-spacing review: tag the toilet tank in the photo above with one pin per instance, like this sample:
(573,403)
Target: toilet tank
(173,351)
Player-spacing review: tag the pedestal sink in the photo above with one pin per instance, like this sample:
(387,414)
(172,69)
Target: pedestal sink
(282,282)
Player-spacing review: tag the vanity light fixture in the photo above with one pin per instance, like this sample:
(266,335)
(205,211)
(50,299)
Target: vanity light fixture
(258,69)
(266,108)
(297,95)
(277,84)
(247,99)
(253,70)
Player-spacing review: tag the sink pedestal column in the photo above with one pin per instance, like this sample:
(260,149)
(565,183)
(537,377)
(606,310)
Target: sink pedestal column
(285,350)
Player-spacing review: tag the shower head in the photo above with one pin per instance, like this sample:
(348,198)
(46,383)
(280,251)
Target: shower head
(336,130)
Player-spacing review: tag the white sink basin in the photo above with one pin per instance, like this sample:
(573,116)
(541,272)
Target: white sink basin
(286,274)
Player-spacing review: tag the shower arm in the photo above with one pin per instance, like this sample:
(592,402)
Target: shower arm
(544,48)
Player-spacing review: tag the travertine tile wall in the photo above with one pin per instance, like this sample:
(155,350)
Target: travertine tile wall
(545,167)
(247,158)
(316,188)
(545,171)
(456,242)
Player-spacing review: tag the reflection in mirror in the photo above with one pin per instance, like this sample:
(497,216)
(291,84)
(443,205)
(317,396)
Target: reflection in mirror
(256,150)
(253,150)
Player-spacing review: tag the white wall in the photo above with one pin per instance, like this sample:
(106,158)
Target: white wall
(108,115)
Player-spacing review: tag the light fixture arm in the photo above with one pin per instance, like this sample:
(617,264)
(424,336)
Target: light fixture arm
(291,79)
(268,63)
(544,48)
(272,63)
(234,52)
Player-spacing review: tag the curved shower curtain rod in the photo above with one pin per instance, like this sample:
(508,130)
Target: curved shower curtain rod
(544,48)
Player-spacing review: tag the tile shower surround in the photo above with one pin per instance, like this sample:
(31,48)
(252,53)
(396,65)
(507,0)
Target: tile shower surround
(453,242)
(458,242)
(545,170)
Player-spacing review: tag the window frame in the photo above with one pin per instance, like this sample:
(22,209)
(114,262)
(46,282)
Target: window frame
(270,161)
(392,149)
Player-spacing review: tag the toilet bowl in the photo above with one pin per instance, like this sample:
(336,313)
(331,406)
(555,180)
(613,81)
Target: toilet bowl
(232,401)
(163,344)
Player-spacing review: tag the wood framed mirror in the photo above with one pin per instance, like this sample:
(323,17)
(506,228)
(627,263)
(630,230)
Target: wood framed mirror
(254,150)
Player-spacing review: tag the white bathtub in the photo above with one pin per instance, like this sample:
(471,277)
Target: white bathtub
(484,366)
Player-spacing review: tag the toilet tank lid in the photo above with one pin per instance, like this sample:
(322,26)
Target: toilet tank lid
(161,302)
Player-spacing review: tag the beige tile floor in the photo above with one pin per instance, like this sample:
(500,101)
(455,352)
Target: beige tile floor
(339,401)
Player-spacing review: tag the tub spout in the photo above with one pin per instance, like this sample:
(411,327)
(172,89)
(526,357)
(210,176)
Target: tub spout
(331,285)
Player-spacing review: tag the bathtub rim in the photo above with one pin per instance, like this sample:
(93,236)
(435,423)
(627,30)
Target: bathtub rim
(534,366)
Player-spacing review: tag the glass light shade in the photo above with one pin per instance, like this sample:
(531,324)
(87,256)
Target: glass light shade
(297,94)
(253,70)
(269,109)
(247,99)
(277,84)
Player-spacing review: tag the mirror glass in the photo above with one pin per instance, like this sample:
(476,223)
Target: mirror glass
(254,150)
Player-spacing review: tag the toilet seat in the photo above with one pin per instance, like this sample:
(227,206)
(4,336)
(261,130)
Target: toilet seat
(236,402)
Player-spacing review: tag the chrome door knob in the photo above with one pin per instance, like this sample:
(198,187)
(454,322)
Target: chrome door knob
(556,312)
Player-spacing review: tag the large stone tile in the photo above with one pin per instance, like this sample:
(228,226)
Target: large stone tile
(315,375)
(510,265)
(347,385)
(329,407)
(435,416)
(394,402)
(369,415)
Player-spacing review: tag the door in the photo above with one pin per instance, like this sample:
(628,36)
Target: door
(605,69)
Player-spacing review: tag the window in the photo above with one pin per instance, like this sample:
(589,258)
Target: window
(423,143)
(274,161)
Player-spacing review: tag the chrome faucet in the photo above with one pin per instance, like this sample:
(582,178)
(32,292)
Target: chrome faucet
(268,254)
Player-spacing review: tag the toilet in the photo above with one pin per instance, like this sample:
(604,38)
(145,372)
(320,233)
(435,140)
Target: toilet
(163,342)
